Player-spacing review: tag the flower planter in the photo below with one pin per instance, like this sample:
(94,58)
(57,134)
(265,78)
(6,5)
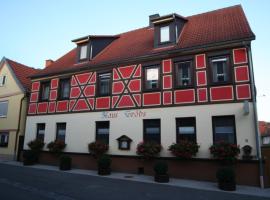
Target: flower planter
(140,170)
(164,178)
(227,186)
(64,166)
(104,171)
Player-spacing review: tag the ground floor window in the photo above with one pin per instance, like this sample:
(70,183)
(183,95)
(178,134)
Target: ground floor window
(4,139)
(151,130)
(186,129)
(40,131)
(61,131)
(102,131)
(224,129)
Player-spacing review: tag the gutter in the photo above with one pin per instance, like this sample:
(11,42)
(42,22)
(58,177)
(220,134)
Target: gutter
(18,129)
(256,123)
(153,56)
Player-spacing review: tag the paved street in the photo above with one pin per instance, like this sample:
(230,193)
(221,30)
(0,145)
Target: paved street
(27,183)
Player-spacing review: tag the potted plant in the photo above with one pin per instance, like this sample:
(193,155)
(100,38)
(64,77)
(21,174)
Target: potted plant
(97,148)
(247,152)
(148,150)
(29,157)
(225,152)
(56,147)
(184,149)
(104,165)
(226,179)
(161,172)
(65,162)
(36,146)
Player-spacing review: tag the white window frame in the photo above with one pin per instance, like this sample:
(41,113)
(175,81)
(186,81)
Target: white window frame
(83,52)
(3,102)
(164,34)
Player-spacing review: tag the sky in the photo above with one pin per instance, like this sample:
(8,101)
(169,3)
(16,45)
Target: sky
(33,31)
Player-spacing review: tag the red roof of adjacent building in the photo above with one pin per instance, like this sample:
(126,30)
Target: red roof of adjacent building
(22,72)
(227,24)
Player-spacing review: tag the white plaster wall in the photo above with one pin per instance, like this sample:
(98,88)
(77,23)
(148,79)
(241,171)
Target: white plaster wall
(81,127)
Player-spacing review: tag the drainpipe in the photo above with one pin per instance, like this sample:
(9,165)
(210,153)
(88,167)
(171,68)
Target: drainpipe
(18,129)
(257,132)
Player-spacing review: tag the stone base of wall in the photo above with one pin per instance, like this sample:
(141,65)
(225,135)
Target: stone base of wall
(247,172)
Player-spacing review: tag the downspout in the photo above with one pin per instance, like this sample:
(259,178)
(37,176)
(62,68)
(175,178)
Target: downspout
(18,129)
(254,102)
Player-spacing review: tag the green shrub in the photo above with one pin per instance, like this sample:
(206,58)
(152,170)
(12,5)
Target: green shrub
(161,168)
(65,162)
(104,161)
(226,175)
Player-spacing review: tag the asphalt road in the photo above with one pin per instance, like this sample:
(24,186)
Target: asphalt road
(34,184)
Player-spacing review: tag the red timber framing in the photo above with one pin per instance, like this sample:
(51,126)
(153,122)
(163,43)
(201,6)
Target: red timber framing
(127,87)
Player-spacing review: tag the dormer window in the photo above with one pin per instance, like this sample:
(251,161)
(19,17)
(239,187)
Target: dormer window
(83,52)
(164,34)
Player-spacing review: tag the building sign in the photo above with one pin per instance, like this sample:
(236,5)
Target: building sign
(127,114)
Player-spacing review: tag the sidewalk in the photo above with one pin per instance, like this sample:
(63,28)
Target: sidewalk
(200,185)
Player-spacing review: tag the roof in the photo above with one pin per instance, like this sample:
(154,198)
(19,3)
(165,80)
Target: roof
(22,73)
(264,128)
(223,25)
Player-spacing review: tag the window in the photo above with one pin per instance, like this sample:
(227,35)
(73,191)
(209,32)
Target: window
(64,89)
(220,69)
(266,140)
(224,129)
(151,78)
(102,131)
(186,129)
(2,80)
(164,34)
(40,131)
(104,84)
(83,52)
(61,131)
(151,130)
(45,91)
(4,139)
(3,108)
(183,74)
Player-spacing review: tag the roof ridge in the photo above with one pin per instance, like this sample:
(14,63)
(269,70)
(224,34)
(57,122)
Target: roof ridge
(216,10)
(23,65)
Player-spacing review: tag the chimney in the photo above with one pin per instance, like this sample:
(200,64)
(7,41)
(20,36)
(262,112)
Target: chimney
(151,17)
(48,62)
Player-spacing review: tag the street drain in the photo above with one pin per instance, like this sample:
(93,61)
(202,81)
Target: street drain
(128,176)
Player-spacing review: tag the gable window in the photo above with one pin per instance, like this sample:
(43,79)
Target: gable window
(164,34)
(4,139)
(45,91)
(83,52)
(104,84)
(3,108)
(151,130)
(61,131)
(64,89)
(2,80)
(41,131)
(103,131)
(183,73)
(224,129)
(220,69)
(186,129)
(151,78)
